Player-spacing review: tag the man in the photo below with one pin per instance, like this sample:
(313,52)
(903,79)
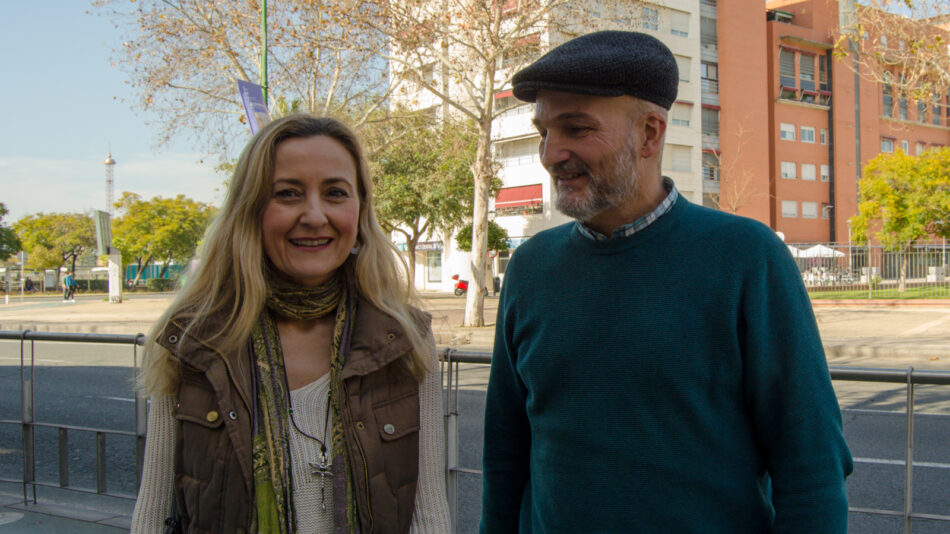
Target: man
(657,366)
(69,286)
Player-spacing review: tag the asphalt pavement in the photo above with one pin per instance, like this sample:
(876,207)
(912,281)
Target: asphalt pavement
(867,334)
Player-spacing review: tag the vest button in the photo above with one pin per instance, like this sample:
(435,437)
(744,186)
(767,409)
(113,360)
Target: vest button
(232,415)
(391,336)
(212,416)
(359,425)
(173,339)
(389,429)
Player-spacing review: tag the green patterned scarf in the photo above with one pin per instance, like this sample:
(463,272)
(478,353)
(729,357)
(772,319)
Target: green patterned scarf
(273,490)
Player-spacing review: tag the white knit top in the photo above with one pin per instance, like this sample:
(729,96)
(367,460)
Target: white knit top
(431,514)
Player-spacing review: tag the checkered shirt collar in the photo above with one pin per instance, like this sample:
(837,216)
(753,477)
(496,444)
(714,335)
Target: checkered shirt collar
(639,224)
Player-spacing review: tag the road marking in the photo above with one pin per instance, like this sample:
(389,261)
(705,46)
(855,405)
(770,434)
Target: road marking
(9,517)
(122,399)
(924,327)
(39,360)
(881,461)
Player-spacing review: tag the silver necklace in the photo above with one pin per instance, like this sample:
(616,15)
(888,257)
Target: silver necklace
(321,469)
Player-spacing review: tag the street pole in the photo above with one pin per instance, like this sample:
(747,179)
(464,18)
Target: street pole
(264,49)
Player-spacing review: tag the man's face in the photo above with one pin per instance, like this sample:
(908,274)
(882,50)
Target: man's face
(588,146)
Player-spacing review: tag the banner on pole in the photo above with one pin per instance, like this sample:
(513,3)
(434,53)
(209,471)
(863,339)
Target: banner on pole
(254,106)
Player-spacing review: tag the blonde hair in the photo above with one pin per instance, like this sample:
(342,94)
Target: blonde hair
(229,280)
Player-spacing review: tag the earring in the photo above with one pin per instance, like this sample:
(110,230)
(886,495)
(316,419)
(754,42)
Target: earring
(355,250)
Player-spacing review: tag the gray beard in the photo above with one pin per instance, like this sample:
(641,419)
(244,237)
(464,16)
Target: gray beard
(604,192)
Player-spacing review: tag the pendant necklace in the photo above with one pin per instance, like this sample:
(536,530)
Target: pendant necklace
(321,469)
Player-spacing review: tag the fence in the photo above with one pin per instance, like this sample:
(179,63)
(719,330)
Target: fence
(847,271)
(451,358)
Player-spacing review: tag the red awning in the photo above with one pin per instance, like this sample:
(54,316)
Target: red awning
(516,197)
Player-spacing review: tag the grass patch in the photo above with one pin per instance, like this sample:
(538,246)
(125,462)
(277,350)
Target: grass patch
(887,292)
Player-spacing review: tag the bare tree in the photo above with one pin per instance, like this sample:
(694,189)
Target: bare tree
(183,57)
(459,55)
(900,44)
(736,180)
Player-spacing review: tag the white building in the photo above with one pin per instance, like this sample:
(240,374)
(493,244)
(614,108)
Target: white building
(525,206)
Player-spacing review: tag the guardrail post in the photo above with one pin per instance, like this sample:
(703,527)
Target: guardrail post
(451,437)
(27,417)
(141,418)
(63,457)
(909,454)
(100,462)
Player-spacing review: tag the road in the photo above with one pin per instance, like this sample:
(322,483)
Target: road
(90,385)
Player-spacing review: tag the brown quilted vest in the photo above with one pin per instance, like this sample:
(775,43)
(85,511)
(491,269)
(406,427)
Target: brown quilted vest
(213,476)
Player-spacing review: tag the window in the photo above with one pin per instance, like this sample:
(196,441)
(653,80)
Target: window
(787,131)
(935,112)
(710,167)
(825,174)
(920,148)
(679,23)
(710,122)
(823,73)
(921,111)
(788,169)
(808,134)
(809,210)
(826,210)
(682,156)
(808,171)
(823,136)
(902,108)
(709,72)
(520,152)
(789,209)
(649,18)
(786,59)
(887,145)
(905,146)
(883,41)
(680,114)
(434,265)
(708,34)
(888,102)
(683,64)
(806,71)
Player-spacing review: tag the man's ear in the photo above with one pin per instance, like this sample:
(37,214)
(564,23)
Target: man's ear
(653,129)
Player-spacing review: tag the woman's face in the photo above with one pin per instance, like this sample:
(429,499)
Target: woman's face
(311,221)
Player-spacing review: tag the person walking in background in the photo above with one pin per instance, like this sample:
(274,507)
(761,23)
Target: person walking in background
(69,286)
(657,366)
(294,386)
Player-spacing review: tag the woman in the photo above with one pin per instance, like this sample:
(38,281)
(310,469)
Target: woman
(293,387)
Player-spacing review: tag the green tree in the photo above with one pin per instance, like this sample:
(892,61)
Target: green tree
(9,242)
(161,229)
(55,239)
(497,238)
(904,199)
(423,181)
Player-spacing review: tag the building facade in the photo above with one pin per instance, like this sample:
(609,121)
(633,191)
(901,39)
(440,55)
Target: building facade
(768,124)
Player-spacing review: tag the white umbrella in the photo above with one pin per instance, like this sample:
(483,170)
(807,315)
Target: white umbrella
(820,251)
(796,252)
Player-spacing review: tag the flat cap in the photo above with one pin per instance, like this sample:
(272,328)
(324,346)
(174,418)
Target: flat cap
(606,63)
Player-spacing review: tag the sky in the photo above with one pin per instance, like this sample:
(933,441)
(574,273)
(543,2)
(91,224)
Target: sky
(66,108)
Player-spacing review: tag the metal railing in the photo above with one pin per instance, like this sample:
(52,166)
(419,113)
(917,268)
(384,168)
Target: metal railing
(29,423)
(851,271)
(452,359)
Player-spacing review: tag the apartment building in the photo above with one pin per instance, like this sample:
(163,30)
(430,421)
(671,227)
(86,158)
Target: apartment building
(825,123)
(767,124)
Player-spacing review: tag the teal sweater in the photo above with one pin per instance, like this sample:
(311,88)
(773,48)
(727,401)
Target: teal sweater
(669,382)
